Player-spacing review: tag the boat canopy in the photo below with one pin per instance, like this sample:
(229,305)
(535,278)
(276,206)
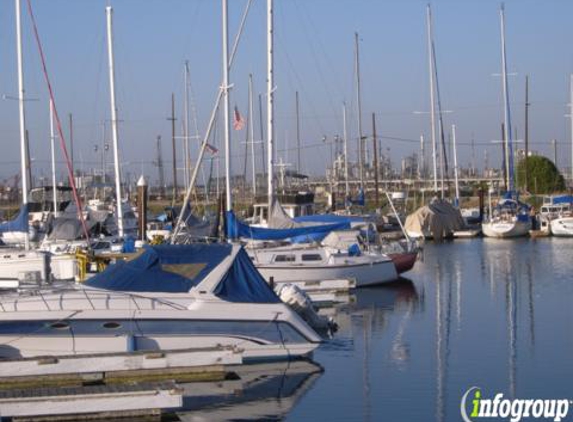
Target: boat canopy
(19,223)
(179,268)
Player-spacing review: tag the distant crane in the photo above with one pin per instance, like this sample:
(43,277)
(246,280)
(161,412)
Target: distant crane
(159,164)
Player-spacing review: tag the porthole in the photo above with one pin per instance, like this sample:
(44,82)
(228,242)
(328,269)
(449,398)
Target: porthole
(60,325)
(112,325)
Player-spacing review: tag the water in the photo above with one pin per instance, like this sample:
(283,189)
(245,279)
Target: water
(482,312)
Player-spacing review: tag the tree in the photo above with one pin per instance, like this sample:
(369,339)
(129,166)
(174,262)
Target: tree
(543,176)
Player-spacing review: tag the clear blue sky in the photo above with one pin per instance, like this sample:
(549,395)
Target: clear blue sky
(314,55)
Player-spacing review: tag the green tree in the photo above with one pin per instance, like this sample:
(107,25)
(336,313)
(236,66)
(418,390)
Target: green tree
(543,176)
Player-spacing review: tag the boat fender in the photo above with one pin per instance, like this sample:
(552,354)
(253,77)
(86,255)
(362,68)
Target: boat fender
(354,250)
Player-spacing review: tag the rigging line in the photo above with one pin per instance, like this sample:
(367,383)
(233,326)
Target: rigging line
(315,56)
(300,83)
(77,198)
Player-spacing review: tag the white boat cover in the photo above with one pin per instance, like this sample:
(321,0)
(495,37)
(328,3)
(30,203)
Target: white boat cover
(439,218)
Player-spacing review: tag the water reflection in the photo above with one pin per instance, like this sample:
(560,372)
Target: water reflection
(258,392)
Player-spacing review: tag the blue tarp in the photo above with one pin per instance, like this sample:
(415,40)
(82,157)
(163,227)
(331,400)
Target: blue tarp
(562,199)
(19,223)
(330,218)
(244,283)
(178,268)
(237,229)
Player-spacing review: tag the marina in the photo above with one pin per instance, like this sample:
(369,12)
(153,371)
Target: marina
(269,276)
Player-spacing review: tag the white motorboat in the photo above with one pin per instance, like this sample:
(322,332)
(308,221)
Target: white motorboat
(558,211)
(170,297)
(562,226)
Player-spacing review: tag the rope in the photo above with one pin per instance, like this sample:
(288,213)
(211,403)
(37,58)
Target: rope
(58,123)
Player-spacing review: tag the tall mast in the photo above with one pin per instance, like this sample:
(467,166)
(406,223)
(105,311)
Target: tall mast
(21,93)
(432,100)
(526,184)
(187,162)
(506,110)
(456,202)
(346,182)
(227,127)
(114,132)
(359,102)
(297,135)
(375,146)
(53,154)
(270,103)
(252,135)
(174,147)
(571,120)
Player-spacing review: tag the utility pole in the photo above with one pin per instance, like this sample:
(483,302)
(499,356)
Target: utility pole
(375,146)
(174,147)
(526,181)
(160,168)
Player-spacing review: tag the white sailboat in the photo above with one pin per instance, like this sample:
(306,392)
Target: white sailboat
(510,218)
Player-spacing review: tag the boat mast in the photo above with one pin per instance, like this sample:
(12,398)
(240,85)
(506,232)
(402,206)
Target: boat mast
(53,154)
(252,136)
(23,146)
(270,103)
(571,120)
(432,100)
(226,120)
(114,132)
(187,170)
(457,200)
(507,113)
(346,182)
(359,102)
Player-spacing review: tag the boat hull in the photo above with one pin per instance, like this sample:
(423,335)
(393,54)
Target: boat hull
(404,261)
(562,227)
(366,274)
(506,229)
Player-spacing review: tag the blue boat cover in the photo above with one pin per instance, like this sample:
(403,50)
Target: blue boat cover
(563,199)
(178,268)
(331,218)
(236,229)
(19,223)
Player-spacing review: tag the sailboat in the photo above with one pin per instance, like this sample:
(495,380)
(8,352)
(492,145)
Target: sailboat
(510,218)
(25,266)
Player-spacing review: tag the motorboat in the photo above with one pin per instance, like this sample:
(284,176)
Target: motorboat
(559,213)
(169,297)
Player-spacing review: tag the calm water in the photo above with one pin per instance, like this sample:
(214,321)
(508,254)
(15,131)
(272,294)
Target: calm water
(490,313)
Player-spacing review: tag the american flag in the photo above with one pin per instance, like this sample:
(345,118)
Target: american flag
(212,149)
(238,122)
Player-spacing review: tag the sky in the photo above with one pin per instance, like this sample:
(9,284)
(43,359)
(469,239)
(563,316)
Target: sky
(314,55)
